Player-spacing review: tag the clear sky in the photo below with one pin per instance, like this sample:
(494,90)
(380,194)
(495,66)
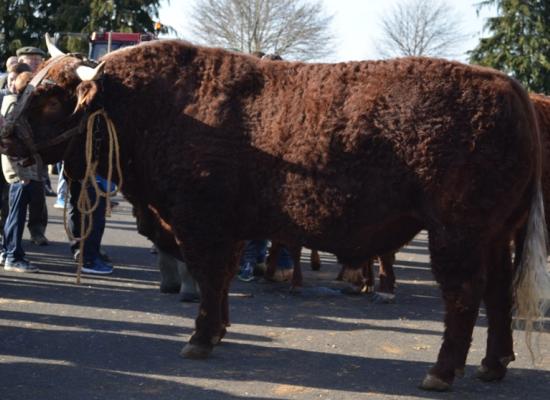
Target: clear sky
(356,24)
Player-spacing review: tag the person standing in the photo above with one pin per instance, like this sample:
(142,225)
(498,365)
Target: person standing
(10,62)
(94,261)
(38,212)
(26,183)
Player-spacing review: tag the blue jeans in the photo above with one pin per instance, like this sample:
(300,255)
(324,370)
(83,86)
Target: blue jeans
(20,196)
(61,183)
(255,253)
(93,241)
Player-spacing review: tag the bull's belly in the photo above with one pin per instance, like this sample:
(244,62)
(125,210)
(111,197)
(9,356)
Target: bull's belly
(356,241)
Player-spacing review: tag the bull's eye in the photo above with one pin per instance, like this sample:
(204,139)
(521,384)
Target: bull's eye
(52,109)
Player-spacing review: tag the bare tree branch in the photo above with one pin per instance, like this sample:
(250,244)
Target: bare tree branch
(295,29)
(420,28)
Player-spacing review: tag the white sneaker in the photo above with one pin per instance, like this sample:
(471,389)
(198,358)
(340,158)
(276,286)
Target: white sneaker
(20,266)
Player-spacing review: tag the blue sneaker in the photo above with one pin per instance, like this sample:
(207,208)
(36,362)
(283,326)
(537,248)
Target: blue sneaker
(246,273)
(102,183)
(97,267)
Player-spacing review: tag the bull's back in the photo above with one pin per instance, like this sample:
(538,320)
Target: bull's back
(415,138)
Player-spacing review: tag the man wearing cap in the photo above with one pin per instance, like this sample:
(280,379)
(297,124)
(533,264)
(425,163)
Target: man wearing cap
(38,214)
(32,56)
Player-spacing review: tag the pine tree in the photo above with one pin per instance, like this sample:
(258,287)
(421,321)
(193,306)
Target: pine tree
(24,23)
(520,42)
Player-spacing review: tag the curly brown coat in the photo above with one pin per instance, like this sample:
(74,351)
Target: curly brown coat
(352,158)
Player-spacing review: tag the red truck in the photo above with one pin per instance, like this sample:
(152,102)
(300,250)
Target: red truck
(99,43)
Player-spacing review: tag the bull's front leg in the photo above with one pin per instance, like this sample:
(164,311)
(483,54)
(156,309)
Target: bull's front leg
(213,271)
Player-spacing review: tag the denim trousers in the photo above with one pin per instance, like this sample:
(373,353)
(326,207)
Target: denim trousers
(61,183)
(20,196)
(93,241)
(255,252)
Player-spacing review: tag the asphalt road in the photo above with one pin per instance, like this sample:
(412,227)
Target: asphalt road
(118,337)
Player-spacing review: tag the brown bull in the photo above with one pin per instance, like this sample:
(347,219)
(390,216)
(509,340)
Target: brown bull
(386,272)
(352,158)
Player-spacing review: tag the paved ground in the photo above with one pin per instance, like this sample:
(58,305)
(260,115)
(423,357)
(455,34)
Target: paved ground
(119,338)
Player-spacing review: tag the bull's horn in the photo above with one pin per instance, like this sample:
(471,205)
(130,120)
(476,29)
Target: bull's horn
(54,51)
(90,74)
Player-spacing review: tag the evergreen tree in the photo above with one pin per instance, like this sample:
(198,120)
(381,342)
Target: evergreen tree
(24,22)
(520,42)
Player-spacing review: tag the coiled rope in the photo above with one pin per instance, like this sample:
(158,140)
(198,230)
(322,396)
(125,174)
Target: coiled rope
(84,205)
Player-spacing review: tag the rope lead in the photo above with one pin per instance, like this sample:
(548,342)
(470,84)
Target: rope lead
(84,205)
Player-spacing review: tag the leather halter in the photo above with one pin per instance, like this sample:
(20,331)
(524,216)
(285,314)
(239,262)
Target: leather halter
(17,122)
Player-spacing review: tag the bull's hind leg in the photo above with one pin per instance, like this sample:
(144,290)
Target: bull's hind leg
(498,300)
(458,266)
(213,271)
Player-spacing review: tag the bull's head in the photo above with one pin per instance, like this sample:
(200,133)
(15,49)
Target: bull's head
(51,111)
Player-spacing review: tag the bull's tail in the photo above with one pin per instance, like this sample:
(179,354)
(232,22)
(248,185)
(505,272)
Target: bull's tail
(532,280)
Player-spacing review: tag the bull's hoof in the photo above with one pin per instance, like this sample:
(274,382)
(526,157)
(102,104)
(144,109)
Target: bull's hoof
(433,383)
(486,374)
(459,373)
(383,298)
(195,351)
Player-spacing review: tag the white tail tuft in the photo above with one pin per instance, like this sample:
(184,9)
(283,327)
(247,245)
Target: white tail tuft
(532,281)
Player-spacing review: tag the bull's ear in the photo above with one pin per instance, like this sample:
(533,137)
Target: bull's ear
(86,92)
(86,73)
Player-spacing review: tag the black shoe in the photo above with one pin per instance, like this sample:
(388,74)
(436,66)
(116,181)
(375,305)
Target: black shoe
(49,191)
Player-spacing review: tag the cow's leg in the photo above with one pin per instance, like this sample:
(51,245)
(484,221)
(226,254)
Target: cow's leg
(225,306)
(361,277)
(386,275)
(367,269)
(213,269)
(189,291)
(297,278)
(170,280)
(315,260)
(458,266)
(498,300)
